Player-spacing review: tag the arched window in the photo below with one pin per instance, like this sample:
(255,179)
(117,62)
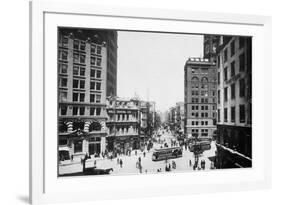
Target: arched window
(78,125)
(194,82)
(95,126)
(204,83)
(62,127)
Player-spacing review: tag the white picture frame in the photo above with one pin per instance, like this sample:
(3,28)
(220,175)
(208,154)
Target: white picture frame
(45,186)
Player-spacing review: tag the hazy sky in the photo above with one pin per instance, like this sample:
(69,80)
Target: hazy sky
(152,65)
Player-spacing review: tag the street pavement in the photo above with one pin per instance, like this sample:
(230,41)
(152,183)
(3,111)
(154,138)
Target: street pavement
(148,166)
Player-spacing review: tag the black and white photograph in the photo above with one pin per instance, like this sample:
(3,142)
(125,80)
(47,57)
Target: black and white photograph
(142,102)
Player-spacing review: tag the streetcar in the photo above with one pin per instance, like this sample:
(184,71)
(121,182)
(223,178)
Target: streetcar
(200,146)
(166,153)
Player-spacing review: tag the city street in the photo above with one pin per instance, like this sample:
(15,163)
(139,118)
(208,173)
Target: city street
(148,166)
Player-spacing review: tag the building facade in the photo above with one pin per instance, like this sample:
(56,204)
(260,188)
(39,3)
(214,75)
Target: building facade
(234,140)
(180,116)
(82,70)
(123,124)
(200,97)
(211,44)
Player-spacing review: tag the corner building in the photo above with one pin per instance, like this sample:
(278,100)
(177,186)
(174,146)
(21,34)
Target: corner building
(234,140)
(82,74)
(200,88)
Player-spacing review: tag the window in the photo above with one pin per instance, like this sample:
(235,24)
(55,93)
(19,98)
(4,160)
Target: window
(219,80)
(192,122)
(233,91)
(76,44)
(241,42)
(196,123)
(64,41)
(98,98)
(82,71)
(225,114)
(92,98)
(79,58)
(98,74)
(242,88)
(232,114)
(98,61)
(225,73)
(232,48)
(225,55)
(202,114)
(202,122)
(206,107)
(82,45)
(75,83)
(63,68)
(219,115)
(206,114)
(242,113)
(92,111)
(63,82)
(75,110)
(202,107)
(93,60)
(78,83)
(206,122)
(82,84)
(82,58)
(78,146)
(219,96)
(63,54)
(63,110)
(93,48)
(75,70)
(75,97)
(81,110)
(225,94)
(82,97)
(98,111)
(92,85)
(93,73)
(63,96)
(233,69)
(98,50)
(242,62)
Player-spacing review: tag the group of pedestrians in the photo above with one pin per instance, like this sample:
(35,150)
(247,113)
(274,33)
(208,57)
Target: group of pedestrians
(120,162)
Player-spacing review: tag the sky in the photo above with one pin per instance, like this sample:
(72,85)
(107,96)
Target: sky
(151,65)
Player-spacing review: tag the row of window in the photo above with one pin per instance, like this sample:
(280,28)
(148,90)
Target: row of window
(79,70)
(197,122)
(196,70)
(79,58)
(242,91)
(197,130)
(203,107)
(79,97)
(80,45)
(76,110)
(232,48)
(204,93)
(80,84)
(242,115)
(196,114)
(203,100)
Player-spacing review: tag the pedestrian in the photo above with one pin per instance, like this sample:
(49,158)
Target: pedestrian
(139,159)
(137,164)
(190,163)
(72,157)
(95,163)
(136,152)
(121,163)
(118,161)
(169,167)
(143,154)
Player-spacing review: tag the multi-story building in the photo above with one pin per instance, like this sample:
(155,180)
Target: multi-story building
(180,116)
(82,71)
(200,97)
(102,36)
(234,140)
(123,124)
(211,44)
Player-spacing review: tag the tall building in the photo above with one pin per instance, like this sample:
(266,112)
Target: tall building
(102,36)
(180,116)
(234,140)
(82,73)
(211,44)
(200,97)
